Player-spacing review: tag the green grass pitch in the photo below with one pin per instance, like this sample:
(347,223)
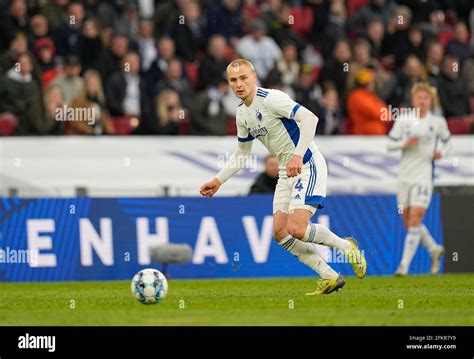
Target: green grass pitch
(416,300)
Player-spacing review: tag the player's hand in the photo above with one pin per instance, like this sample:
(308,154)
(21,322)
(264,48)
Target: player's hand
(412,142)
(209,188)
(294,166)
(437,155)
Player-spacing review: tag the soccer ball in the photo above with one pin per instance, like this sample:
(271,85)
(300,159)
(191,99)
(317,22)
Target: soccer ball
(149,286)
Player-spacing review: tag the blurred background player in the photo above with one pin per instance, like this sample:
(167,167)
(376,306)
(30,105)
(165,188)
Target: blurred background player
(287,129)
(423,138)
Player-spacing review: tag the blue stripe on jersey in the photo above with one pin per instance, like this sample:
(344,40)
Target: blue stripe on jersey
(293,112)
(315,171)
(261,95)
(262,91)
(393,137)
(246,139)
(315,201)
(446,140)
(313,174)
(240,104)
(294,132)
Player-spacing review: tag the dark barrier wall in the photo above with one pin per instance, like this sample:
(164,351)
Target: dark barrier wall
(458,222)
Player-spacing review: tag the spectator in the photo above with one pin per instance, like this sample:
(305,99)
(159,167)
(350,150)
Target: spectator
(42,114)
(91,97)
(334,29)
(307,93)
(66,35)
(156,72)
(110,59)
(361,60)
(165,15)
(174,80)
(17,47)
(266,182)
(89,45)
(330,114)
(396,34)
(468,74)
(18,88)
(189,33)
(13,22)
(209,117)
(224,18)
(38,29)
(281,31)
(452,89)
(55,12)
(375,34)
(45,52)
(364,107)
(459,46)
(288,67)
(213,66)
(70,81)
(336,68)
(126,91)
(128,23)
(382,9)
(414,46)
(260,49)
(411,73)
(146,44)
(434,58)
(169,114)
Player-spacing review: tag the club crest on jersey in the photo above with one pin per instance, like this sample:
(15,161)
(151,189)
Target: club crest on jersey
(259,116)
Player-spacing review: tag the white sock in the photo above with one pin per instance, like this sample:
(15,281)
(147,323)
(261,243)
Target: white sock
(317,233)
(308,254)
(412,240)
(427,240)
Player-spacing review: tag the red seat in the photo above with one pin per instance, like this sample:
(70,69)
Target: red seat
(460,125)
(251,12)
(184,127)
(303,20)
(192,71)
(123,125)
(8,124)
(445,35)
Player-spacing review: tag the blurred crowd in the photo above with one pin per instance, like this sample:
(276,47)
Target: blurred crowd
(152,67)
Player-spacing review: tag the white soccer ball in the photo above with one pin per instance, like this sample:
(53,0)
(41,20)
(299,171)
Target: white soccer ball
(149,286)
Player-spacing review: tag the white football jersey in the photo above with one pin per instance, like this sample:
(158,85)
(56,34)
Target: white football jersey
(271,119)
(417,163)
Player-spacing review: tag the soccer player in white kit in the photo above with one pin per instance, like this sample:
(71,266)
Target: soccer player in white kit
(287,130)
(423,138)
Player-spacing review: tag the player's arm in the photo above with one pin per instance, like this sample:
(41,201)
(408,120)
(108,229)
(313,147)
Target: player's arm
(445,145)
(233,165)
(397,139)
(281,105)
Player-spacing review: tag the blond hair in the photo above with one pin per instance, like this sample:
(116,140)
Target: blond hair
(235,64)
(431,90)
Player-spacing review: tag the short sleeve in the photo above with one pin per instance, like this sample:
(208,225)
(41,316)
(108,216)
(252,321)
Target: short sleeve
(281,105)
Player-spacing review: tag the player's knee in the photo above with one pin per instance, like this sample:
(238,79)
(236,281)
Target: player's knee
(415,220)
(296,229)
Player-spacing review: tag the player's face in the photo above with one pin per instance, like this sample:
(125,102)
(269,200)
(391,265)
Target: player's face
(422,100)
(243,81)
